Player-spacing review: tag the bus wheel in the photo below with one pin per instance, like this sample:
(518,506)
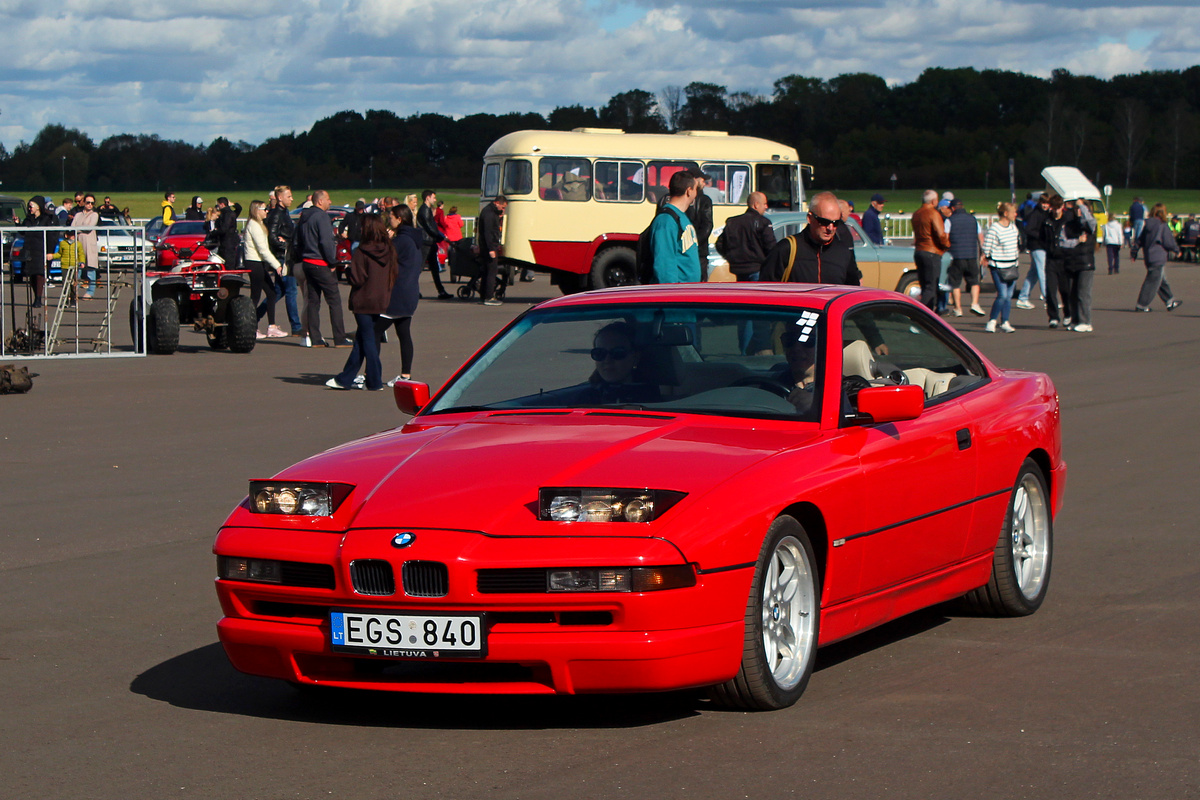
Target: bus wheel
(616,266)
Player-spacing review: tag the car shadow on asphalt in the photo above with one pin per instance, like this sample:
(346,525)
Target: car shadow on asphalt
(305,378)
(914,624)
(204,680)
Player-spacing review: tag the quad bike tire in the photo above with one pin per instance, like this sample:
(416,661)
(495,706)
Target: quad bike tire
(241,324)
(162,329)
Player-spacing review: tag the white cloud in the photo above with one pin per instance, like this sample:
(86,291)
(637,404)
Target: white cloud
(254,70)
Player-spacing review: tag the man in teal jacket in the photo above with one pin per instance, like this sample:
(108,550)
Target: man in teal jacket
(672,237)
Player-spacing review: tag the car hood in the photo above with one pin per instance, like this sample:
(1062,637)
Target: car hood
(484,473)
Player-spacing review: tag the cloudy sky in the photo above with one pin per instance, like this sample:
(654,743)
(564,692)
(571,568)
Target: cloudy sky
(199,69)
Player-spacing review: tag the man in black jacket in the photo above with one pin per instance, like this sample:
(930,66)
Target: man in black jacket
(227,232)
(316,249)
(816,254)
(747,239)
(701,215)
(280,231)
(487,239)
(428,226)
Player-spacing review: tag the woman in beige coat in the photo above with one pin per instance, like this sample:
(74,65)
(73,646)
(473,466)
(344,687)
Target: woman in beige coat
(87,220)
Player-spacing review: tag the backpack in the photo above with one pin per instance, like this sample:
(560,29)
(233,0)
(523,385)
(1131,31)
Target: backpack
(645,250)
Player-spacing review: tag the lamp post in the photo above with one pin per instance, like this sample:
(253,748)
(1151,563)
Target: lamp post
(371,178)
(64,174)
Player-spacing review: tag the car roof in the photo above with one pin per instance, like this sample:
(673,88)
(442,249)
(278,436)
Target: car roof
(804,295)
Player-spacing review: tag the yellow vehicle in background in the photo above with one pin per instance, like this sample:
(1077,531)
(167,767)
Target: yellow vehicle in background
(577,200)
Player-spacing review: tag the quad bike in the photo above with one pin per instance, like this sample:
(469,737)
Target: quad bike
(203,294)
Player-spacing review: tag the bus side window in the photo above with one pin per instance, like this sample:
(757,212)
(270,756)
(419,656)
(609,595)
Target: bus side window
(619,181)
(518,176)
(658,177)
(491,180)
(565,179)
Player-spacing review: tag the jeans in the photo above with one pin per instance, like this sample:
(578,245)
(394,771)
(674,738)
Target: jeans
(366,348)
(1114,258)
(1037,272)
(1002,305)
(289,300)
(1155,283)
(1057,288)
(1080,292)
(1137,234)
(929,272)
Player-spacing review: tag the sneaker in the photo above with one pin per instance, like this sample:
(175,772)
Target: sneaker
(360,380)
(1054,323)
(259,335)
(1066,322)
(307,342)
(1082,327)
(332,383)
(342,343)
(445,296)
(956,312)
(1143,310)
(1007,328)
(394,381)
(1174,304)
(275,332)
(991,326)
(975,309)
(1023,304)
(493,302)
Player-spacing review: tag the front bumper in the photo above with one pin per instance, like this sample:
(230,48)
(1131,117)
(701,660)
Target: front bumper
(537,643)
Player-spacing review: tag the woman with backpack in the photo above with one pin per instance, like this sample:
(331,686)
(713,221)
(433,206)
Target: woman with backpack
(1156,242)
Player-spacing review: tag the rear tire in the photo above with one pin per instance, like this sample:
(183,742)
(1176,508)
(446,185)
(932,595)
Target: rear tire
(241,324)
(616,266)
(1021,559)
(135,324)
(783,619)
(162,329)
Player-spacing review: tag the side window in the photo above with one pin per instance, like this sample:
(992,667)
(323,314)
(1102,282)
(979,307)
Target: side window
(518,176)
(491,180)
(729,183)
(658,177)
(778,183)
(568,179)
(884,345)
(620,181)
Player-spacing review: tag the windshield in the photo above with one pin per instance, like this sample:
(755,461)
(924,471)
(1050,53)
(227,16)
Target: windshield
(194,228)
(718,359)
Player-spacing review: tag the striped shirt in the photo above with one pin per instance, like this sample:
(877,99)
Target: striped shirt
(1001,244)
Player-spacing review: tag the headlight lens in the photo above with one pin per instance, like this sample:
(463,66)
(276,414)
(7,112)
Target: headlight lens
(571,504)
(297,499)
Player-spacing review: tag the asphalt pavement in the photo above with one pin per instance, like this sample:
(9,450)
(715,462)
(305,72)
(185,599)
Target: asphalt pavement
(115,474)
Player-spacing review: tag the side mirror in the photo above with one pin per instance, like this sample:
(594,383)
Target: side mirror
(411,396)
(891,403)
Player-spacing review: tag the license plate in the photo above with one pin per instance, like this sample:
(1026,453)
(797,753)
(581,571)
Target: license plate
(408,634)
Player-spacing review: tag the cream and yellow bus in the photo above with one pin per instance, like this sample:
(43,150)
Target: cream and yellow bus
(577,200)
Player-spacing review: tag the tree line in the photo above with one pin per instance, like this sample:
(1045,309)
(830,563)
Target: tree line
(949,127)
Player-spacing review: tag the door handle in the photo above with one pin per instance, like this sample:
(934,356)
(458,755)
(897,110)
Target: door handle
(964,438)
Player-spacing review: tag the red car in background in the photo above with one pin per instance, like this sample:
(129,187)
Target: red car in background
(185,234)
(654,488)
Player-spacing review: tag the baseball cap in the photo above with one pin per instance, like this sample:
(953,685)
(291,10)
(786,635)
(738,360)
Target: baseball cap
(877,198)
(956,203)
(943,204)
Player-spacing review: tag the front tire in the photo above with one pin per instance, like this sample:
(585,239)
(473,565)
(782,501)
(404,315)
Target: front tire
(162,329)
(783,618)
(616,266)
(241,324)
(910,285)
(1022,557)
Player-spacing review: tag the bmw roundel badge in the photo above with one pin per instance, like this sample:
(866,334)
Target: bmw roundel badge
(403,539)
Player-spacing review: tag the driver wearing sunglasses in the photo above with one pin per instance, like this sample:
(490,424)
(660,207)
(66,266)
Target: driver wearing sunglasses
(816,254)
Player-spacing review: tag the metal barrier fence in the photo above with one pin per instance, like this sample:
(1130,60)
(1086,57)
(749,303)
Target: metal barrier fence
(81,312)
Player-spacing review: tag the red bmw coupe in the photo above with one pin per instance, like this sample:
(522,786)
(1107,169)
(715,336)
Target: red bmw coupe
(654,488)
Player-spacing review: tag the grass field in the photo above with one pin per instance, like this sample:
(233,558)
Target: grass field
(149,204)
(901,201)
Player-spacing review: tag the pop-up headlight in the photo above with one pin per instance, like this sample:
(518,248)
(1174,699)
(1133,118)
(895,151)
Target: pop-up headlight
(297,499)
(604,505)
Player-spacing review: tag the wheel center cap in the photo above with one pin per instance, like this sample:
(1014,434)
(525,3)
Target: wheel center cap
(775,613)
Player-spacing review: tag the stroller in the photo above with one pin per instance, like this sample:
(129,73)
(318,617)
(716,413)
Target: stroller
(464,263)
